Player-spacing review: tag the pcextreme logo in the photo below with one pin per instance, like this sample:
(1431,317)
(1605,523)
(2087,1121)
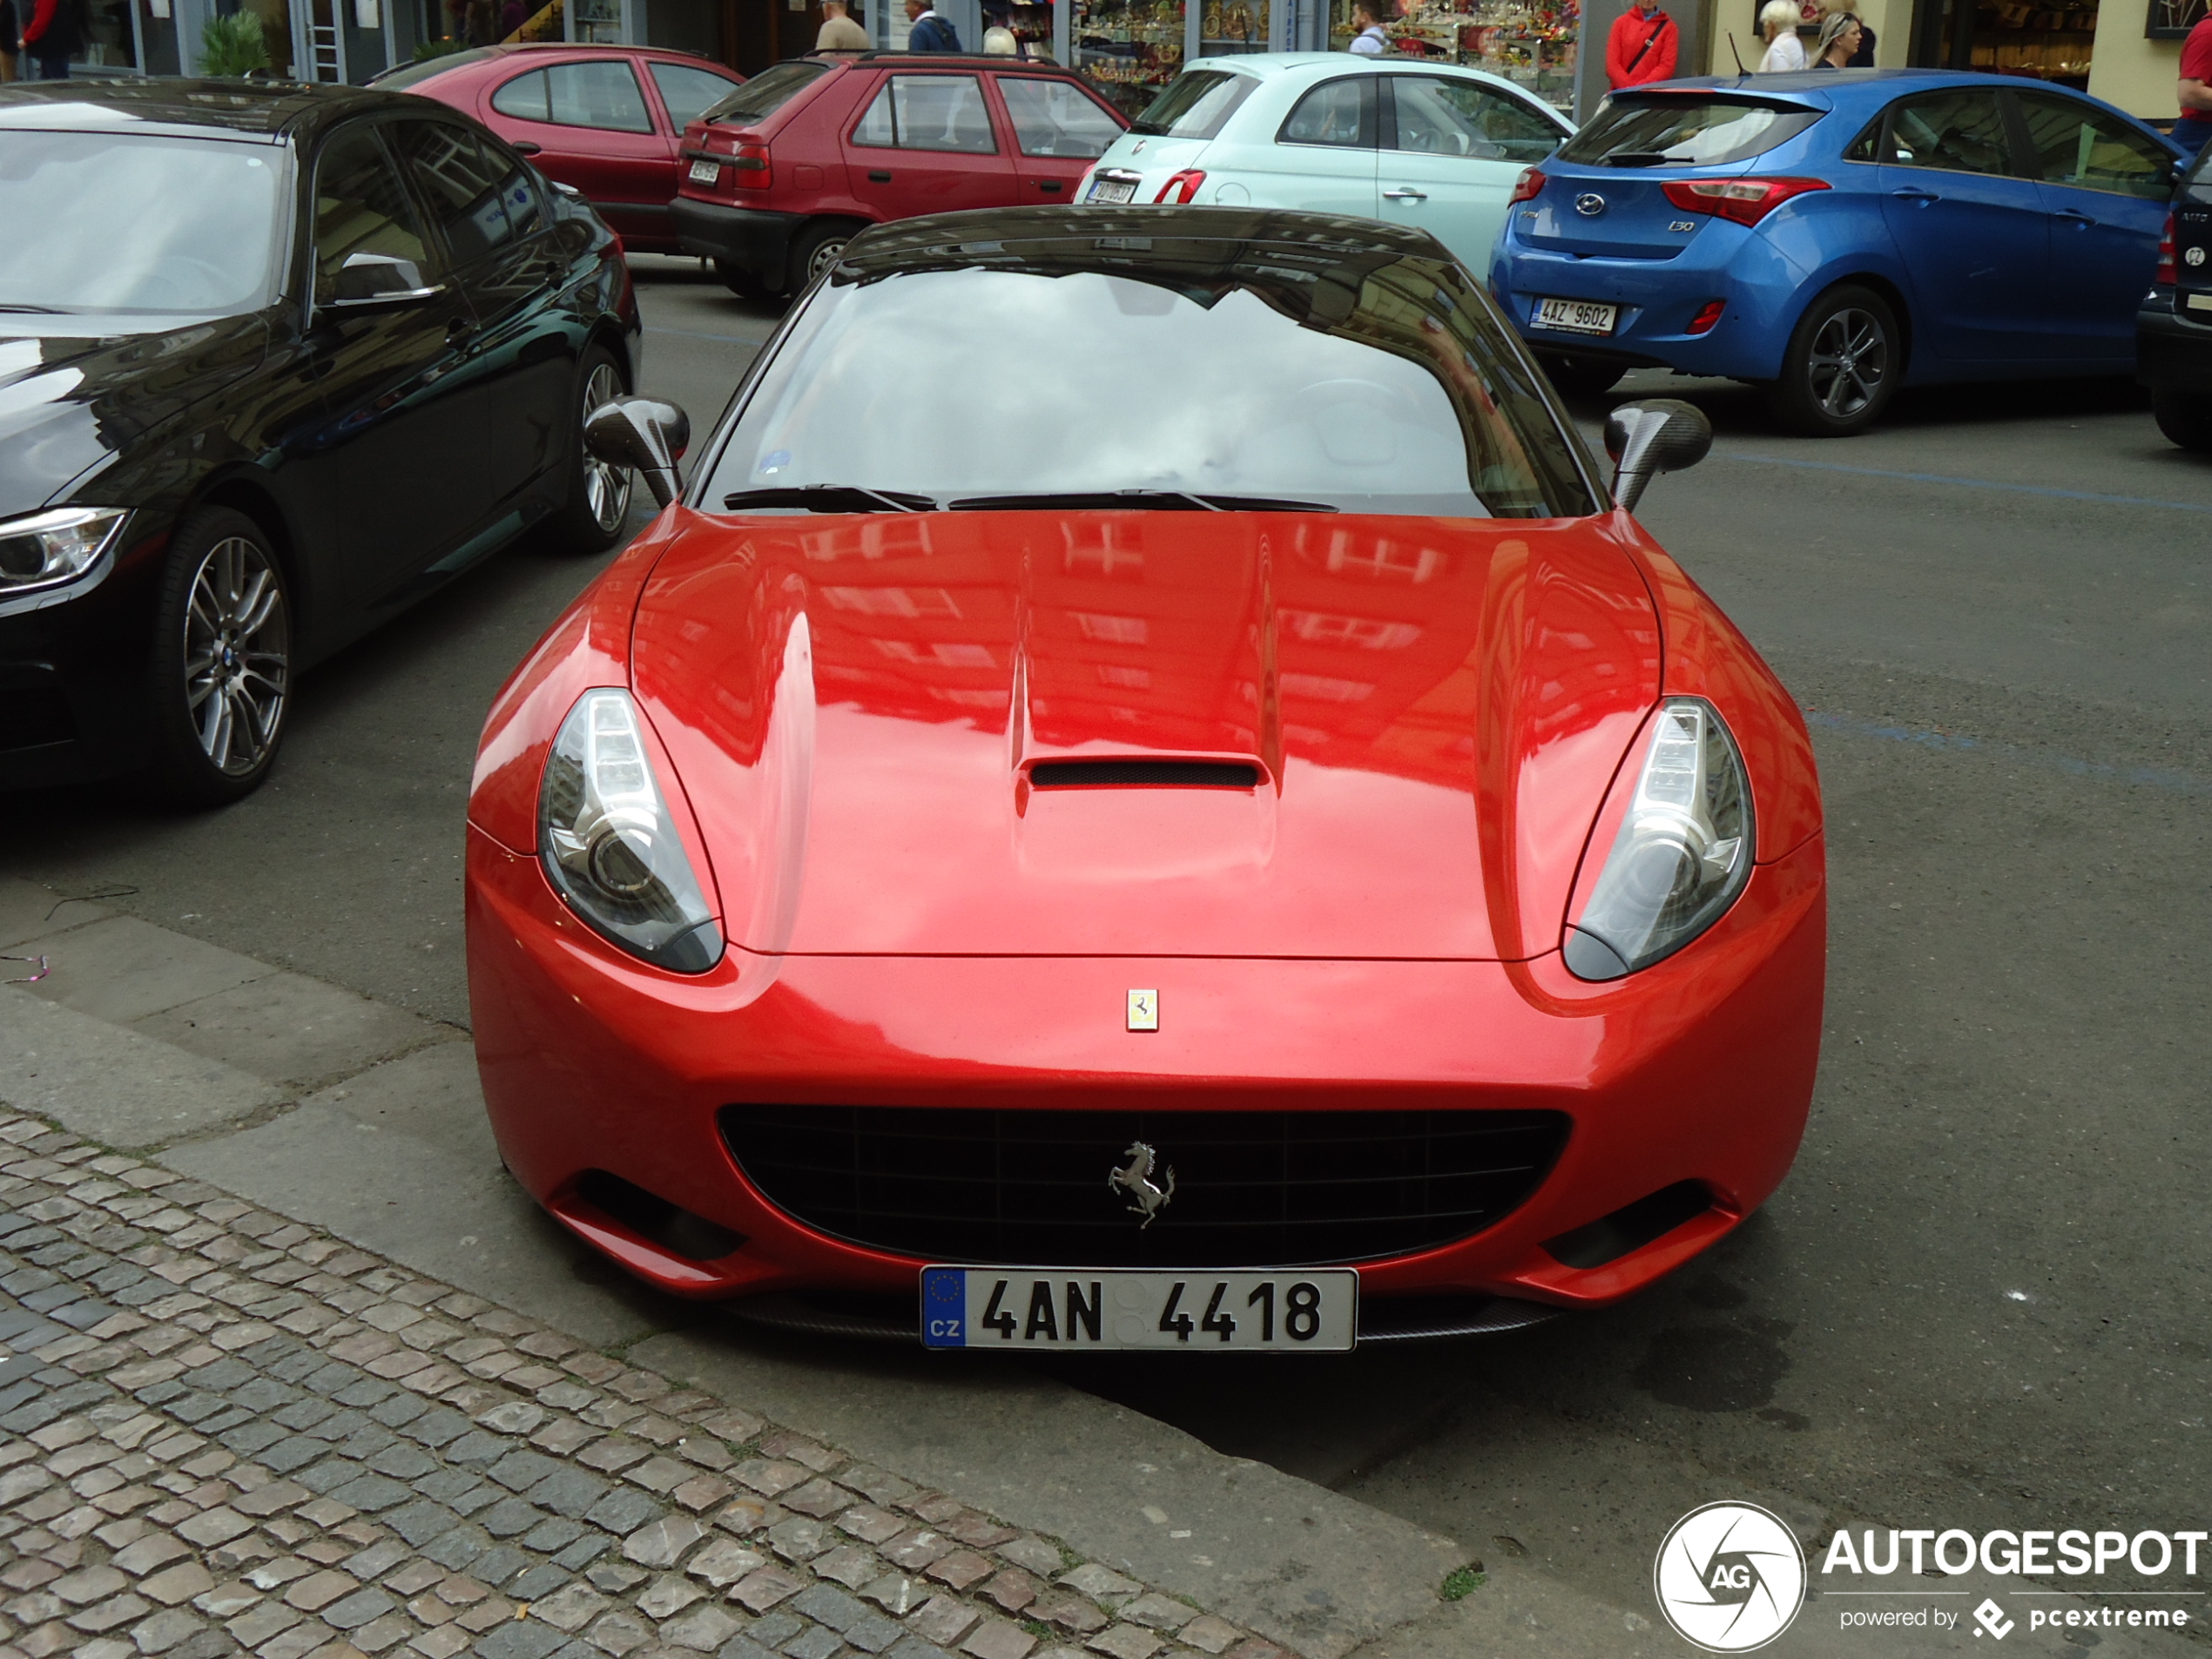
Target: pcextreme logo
(1729,1577)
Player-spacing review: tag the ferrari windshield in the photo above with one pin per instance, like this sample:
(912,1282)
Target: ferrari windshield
(108,222)
(1249,391)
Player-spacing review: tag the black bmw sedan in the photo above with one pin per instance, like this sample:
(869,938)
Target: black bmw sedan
(276,361)
(2174,326)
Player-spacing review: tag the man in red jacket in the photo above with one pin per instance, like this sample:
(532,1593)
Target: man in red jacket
(1641,47)
(52,37)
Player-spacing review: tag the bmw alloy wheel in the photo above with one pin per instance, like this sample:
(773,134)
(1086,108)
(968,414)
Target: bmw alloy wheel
(1850,355)
(238,656)
(606,487)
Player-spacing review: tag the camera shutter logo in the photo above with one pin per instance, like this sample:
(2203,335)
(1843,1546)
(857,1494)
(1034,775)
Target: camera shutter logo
(1729,1577)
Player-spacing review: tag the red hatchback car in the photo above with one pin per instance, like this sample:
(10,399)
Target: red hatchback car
(604,119)
(779,176)
(1147,795)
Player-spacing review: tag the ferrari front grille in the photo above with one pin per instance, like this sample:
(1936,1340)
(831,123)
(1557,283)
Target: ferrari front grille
(1257,1189)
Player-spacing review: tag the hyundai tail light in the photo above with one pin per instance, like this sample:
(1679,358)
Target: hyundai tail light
(1745,200)
(1180,187)
(1708,315)
(2168,274)
(1528,187)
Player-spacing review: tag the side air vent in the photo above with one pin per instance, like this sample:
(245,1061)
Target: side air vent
(1632,1226)
(1183,774)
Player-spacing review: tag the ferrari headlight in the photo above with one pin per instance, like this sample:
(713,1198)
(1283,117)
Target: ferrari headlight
(1683,851)
(48,548)
(609,845)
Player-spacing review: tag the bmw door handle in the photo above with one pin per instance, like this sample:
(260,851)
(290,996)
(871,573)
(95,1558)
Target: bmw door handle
(1402,194)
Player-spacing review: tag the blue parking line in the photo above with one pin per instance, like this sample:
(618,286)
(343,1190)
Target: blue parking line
(1969,483)
(2173,782)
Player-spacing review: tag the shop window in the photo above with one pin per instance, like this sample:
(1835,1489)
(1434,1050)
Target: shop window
(1954,132)
(928,112)
(362,207)
(2082,147)
(1336,112)
(1056,119)
(1453,118)
(460,182)
(604,95)
(689,92)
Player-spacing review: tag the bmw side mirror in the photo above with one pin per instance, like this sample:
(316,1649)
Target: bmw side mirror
(645,435)
(377,279)
(1653,436)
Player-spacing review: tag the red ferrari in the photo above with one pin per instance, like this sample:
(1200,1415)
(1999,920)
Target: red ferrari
(1148,794)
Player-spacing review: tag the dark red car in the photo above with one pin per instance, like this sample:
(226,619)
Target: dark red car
(780,175)
(605,119)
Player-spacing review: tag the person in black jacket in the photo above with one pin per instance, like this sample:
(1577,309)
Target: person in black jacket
(54,35)
(10,42)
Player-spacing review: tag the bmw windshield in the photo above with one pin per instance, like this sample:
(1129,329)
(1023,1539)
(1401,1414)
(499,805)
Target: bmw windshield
(1248,377)
(108,222)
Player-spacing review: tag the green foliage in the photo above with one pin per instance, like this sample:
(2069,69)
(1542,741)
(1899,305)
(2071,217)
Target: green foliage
(444,46)
(1464,1581)
(233,46)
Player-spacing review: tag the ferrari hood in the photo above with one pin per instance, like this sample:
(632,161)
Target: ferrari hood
(1145,733)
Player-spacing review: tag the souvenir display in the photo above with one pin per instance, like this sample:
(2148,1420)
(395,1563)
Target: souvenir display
(1531,43)
(2038,41)
(1128,49)
(1227,26)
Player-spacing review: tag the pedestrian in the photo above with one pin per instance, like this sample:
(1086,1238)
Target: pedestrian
(1641,47)
(1863,58)
(54,35)
(1839,34)
(932,31)
(999,42)
(11,41)
(2195,128)
(1373,40)
(1784,51)
(838,33)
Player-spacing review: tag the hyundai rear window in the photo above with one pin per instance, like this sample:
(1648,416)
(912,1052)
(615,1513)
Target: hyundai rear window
(1196,106)
(1665,131)
(765,92)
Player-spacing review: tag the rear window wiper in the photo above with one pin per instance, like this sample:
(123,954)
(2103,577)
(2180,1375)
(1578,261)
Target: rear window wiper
(1173,500)
(833,498)
(1638,159)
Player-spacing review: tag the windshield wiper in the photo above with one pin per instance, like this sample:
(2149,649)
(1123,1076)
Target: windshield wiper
(1638,159)
(1173,500)
(833,498)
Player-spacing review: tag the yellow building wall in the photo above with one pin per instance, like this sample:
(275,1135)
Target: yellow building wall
(2136,74)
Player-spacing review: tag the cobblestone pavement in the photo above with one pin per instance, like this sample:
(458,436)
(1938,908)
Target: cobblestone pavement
(222,1432)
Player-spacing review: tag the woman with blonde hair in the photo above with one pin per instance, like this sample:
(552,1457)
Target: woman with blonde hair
(1784,51)
(1863,56)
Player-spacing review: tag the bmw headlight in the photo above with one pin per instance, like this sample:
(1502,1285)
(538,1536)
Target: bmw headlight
(47,550)
(1682,853)
(609,847)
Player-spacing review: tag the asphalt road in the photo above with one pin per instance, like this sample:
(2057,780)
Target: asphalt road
(1976,1303)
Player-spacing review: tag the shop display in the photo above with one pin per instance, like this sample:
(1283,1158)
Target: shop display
(1531,43)
(1231,26)
(2039,42)
(1031,24)
(1128,49)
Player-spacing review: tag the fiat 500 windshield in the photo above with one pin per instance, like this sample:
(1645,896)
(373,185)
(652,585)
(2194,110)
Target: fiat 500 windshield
(1249,392)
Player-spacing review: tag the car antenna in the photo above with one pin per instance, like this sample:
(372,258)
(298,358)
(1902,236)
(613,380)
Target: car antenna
(1742,74)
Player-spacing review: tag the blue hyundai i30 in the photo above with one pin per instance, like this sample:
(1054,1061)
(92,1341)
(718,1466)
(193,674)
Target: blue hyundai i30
(1832,235)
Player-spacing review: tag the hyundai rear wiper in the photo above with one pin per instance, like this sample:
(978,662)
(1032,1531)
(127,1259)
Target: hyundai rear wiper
(1638,159)
(1173,500)
(833,498)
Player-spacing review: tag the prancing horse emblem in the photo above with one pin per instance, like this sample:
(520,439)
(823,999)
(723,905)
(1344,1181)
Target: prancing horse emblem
(1137,1181)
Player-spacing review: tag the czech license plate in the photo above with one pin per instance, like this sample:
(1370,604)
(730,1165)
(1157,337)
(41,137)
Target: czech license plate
(1577,316)
(1024,1310)
(1111,191)
(2199,301)
(705,172)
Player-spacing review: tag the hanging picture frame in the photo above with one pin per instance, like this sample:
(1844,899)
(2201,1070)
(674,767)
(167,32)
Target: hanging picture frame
(2172,19)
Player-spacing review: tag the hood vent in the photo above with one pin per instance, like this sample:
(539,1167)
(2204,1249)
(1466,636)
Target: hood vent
(1183,774)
